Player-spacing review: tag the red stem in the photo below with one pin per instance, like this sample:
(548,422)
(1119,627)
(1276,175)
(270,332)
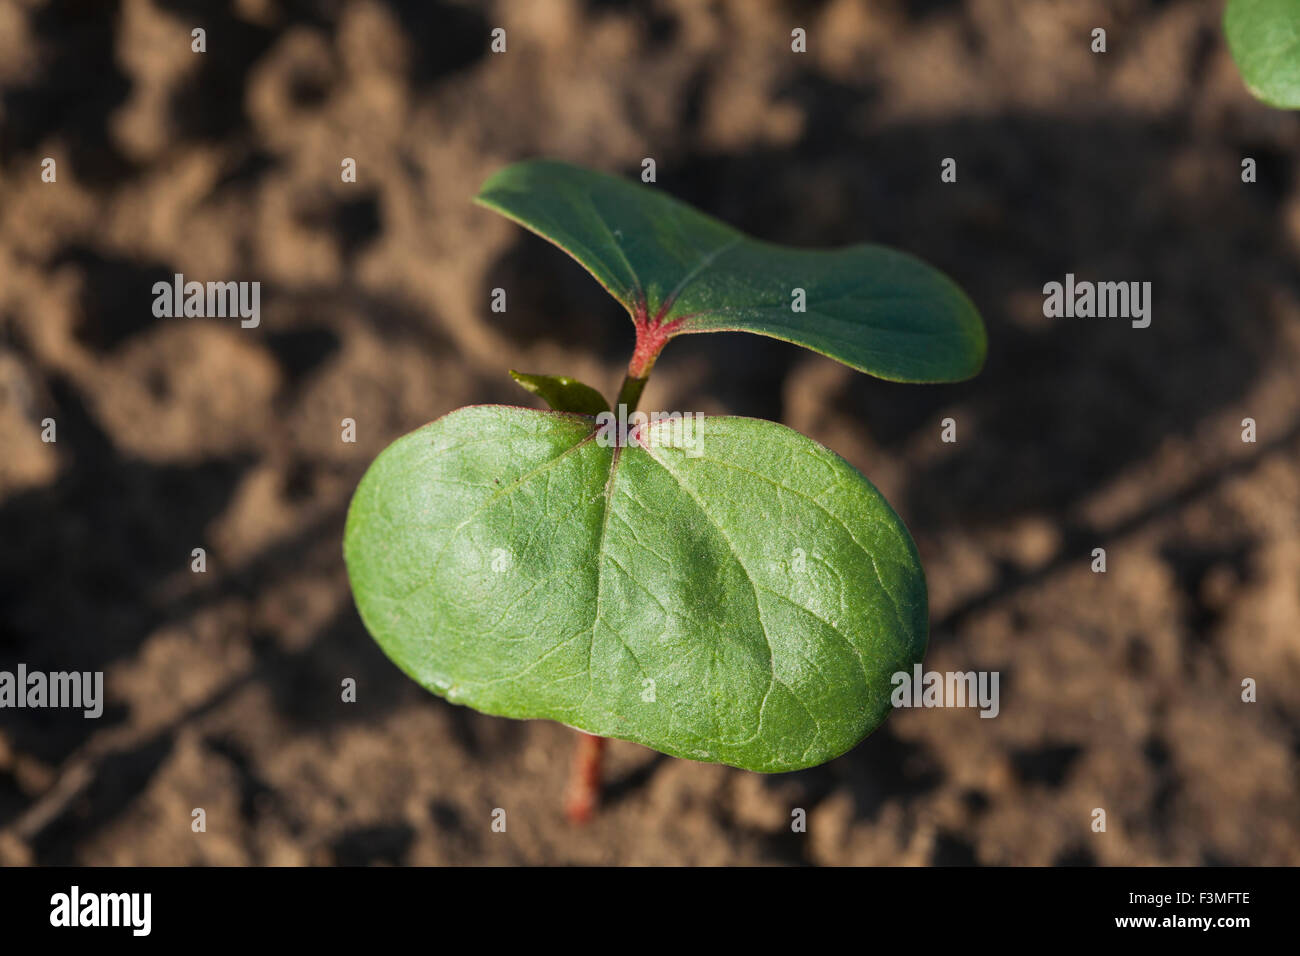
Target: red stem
(652,334)
(584,783)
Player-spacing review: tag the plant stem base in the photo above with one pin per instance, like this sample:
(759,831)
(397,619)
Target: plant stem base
(583,796)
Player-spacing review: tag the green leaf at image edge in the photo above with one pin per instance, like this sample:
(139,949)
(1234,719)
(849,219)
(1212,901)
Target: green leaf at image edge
(873,308)
(1264,37)
(746,606)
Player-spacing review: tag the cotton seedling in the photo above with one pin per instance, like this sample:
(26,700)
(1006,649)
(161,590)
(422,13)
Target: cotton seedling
(721,589)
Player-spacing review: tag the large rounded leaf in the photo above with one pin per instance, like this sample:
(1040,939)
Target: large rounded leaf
(737,594)
(675,269)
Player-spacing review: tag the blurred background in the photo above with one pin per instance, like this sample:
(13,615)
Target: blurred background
(1119,690)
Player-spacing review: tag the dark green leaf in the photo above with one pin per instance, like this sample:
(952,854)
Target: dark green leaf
(745,605)
(1264,36)
(679,271)
(562,393)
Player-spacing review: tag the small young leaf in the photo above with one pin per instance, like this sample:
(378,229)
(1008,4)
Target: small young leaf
(562,393)
(1264,37)
(677,271)
(745,605)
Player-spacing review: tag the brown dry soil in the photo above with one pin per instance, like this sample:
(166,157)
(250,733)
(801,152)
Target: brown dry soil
(1119,690)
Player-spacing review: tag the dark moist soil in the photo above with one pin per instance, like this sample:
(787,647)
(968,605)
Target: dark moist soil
(1120,691)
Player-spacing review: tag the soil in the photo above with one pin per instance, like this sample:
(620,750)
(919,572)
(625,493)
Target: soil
(1120,691)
